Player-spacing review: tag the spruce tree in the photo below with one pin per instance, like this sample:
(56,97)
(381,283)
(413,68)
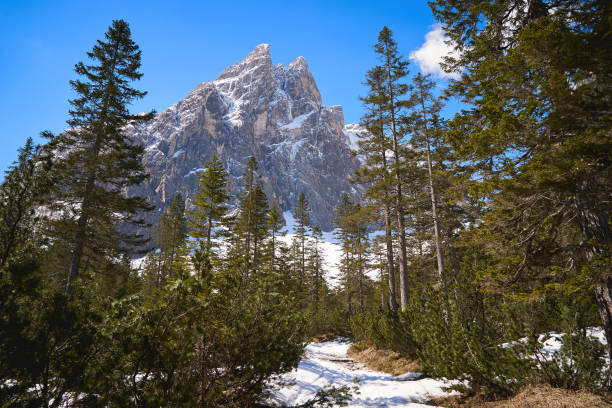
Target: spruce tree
(537,76)
(275,224)
(24,187)
(250,227)
(375,173)
(96,161)
(394,71)
(301,214)
(315,266)
(426,109)
(204,222)
(343,231)
(170,235)
(210,200)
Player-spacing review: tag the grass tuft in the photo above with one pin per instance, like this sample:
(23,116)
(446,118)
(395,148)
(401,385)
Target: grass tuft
(533,396)
(386,361)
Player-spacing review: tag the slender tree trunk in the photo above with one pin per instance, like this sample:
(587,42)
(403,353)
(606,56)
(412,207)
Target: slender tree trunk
(390,259)
(317,277)
(81,235)
(303,273)
(272,258)
(388,237)
(209,233)
(360,272)
(382,284)
(597,237)
(399,208)
(432,191)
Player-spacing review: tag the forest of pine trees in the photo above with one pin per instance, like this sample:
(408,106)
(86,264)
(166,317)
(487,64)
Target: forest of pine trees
(472,232)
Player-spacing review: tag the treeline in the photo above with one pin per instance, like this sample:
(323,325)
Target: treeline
(495,223)
(207,319)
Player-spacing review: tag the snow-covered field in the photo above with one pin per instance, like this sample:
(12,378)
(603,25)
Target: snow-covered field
(326,364)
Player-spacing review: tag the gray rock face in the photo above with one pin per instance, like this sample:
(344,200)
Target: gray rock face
(252,109)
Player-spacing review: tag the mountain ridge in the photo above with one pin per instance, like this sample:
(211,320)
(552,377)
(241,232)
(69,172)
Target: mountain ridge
(253,108)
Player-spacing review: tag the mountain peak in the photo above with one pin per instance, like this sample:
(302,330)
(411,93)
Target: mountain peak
(261,49)
(299,64)
(252,109)
(259,57)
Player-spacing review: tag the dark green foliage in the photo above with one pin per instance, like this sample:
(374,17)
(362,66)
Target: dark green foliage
(170,254)
(210,217)
(537,75)
(331,397)
(97,162)
(211,202)
(24,187)
(275,225)
(250,226)
(386,330)
(301,214)
(46,340)
(174,334)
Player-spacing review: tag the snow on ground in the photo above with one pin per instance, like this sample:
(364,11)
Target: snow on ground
(552,342)
(326,364)
(332,251)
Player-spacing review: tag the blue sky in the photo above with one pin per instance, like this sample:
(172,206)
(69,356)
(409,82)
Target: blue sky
(188,42)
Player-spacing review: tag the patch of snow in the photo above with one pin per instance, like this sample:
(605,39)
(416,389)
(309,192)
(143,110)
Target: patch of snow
(297,122)
(193,172)
(177,154)
(352,131)
(326,364)
(296,148)
(331,252)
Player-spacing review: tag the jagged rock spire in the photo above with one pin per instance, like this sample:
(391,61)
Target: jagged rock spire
(253,108)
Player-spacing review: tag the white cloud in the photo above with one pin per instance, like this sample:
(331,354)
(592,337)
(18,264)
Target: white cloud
(429,56)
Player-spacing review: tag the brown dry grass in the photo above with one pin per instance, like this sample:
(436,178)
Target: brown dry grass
(533,396)
(321,337)
(387,361)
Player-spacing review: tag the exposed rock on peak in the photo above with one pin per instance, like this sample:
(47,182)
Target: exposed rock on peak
(252,109)
(299,64)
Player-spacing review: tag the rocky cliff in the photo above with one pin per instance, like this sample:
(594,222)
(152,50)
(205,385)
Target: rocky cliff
(252,109)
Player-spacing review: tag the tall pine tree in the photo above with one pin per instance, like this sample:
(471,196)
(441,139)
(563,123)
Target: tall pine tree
(394,71)
(97,162)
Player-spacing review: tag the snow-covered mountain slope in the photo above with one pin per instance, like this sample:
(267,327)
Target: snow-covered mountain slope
(253,108)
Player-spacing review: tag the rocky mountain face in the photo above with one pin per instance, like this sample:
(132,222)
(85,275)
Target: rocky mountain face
(252,109)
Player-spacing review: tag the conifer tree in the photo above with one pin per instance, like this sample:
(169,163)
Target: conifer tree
(97,161)
(301,214)
(275,224)
(375,173)
(343,232)
(315,266)
(23,188)
(210,204)
(352,221)
(537,75)
(210,200)
(251,226)
(426,108)
(170,235)
(394,70)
